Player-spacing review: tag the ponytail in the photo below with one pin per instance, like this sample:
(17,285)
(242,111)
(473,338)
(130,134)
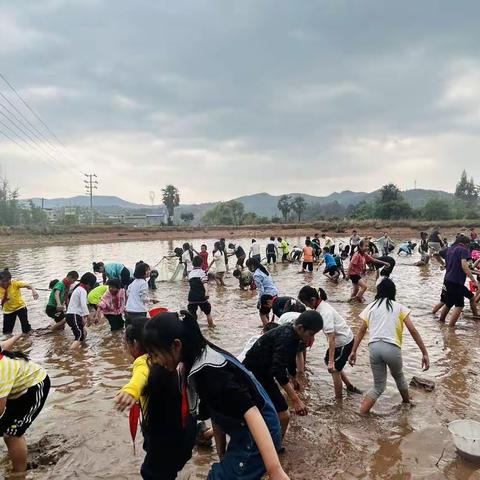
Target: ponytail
(16,355)
(52,284)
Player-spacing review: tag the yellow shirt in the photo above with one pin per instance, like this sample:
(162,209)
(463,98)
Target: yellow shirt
(18,375)
(15,300)
(140,373)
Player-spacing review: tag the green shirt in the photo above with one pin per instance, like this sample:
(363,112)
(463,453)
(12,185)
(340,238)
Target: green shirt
(62,288)
(96,294)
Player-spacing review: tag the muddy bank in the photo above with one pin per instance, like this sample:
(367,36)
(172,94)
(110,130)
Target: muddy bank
(86,234)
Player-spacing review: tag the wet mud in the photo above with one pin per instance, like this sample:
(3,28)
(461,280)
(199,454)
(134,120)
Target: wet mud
(79,434)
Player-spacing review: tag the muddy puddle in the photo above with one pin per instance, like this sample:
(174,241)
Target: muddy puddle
(79,435)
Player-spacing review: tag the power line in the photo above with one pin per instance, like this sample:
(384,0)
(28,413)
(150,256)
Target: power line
(91,185)
(36,115)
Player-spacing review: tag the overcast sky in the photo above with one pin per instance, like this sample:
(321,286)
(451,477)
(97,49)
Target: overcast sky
(226,98)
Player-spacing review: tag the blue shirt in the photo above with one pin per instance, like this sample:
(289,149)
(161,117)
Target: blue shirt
(329,260)
(265,285)
(454,272)
(114,270)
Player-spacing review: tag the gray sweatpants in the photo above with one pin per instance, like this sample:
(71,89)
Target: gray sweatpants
(383,354)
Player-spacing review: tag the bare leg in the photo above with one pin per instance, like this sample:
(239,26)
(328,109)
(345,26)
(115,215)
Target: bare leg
(367,404)
(361,290)
(437,307)
(444,313)
(284,418)
(17,450)
(337,384)
(58,326)
(473,306)
(354,291)
(454,316)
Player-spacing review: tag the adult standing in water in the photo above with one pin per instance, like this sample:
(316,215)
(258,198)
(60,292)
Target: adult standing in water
(114,270)
(255,251)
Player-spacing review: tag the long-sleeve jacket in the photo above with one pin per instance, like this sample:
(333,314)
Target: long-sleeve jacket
(274,354)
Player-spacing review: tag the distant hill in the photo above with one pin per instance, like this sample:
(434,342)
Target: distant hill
(263,204)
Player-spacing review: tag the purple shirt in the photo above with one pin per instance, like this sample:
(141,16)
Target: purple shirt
(454,272)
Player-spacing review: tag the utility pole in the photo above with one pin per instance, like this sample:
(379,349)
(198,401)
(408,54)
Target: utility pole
(90,185)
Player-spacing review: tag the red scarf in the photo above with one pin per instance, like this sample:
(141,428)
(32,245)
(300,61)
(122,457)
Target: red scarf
(67,284)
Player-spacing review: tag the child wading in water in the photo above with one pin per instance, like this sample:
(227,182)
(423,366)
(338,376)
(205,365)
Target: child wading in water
(168,430)
(338,333)
(265,286)
(197,296)
(273,358)
(385,318)
(58,300)
(220,265)
(24,387)
(77,311)
(226,392)
(13,304)
(112,305)
(137,293)
(357,268)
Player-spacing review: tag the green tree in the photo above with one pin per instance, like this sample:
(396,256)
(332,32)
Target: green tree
(187,217)
(225,213)
(299,205)
(237,210)
(437,209)
(466,190)
(362,211)
(171,200)
(250,218)
(285,206)
(390,204)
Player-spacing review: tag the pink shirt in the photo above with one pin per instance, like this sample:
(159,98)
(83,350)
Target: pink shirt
(112,305)
(358,263)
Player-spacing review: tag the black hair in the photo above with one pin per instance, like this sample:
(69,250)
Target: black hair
(5,275)
(203,245)
(253,240)
(326,249)
(53,283)
(141,269)
(272,238)
(310,320)
(308,242)
(217,246)
(231,246)
(115,283)
(293,305)
(178,251)
(237,273)
(279,239)
(307,292)
(197,261)
(134,332)
(256,265)
(88,279)
(15,355)
(73,274)
(97,266)
(270,326)
(386,290)
(161,331)
(265,298)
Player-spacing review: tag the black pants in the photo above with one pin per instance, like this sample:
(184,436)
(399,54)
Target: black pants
(332,249)
(116,322)
(9,320)
(271,257)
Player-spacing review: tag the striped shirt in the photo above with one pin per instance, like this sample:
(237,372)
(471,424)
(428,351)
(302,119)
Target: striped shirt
(18,375)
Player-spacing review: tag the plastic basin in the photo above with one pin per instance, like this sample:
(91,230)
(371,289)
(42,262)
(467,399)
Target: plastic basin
(466,437)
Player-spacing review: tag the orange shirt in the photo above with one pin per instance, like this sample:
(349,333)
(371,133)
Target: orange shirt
(307,254)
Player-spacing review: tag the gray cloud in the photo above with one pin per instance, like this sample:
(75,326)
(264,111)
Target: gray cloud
(226,98)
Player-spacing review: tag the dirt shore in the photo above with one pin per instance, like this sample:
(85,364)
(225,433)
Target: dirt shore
(110,234)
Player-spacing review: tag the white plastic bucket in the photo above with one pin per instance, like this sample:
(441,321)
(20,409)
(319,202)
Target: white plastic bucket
(466,437)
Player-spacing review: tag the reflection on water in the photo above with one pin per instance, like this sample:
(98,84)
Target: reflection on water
(81,435)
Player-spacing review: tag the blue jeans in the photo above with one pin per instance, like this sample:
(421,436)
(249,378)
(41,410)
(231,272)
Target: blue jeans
(242,459)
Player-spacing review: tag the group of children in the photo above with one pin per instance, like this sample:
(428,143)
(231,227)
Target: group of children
(181,379)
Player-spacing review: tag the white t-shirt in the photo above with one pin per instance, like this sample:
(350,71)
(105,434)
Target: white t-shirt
(186,260)
(247,347)
(384,324)
(333,322)
(78,302)
(137,296)
(255,249)
(288,317)
(219,259)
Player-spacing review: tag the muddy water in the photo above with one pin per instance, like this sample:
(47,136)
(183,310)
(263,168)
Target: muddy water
(79,435)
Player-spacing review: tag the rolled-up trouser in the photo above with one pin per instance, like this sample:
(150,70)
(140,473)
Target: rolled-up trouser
(383,354)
